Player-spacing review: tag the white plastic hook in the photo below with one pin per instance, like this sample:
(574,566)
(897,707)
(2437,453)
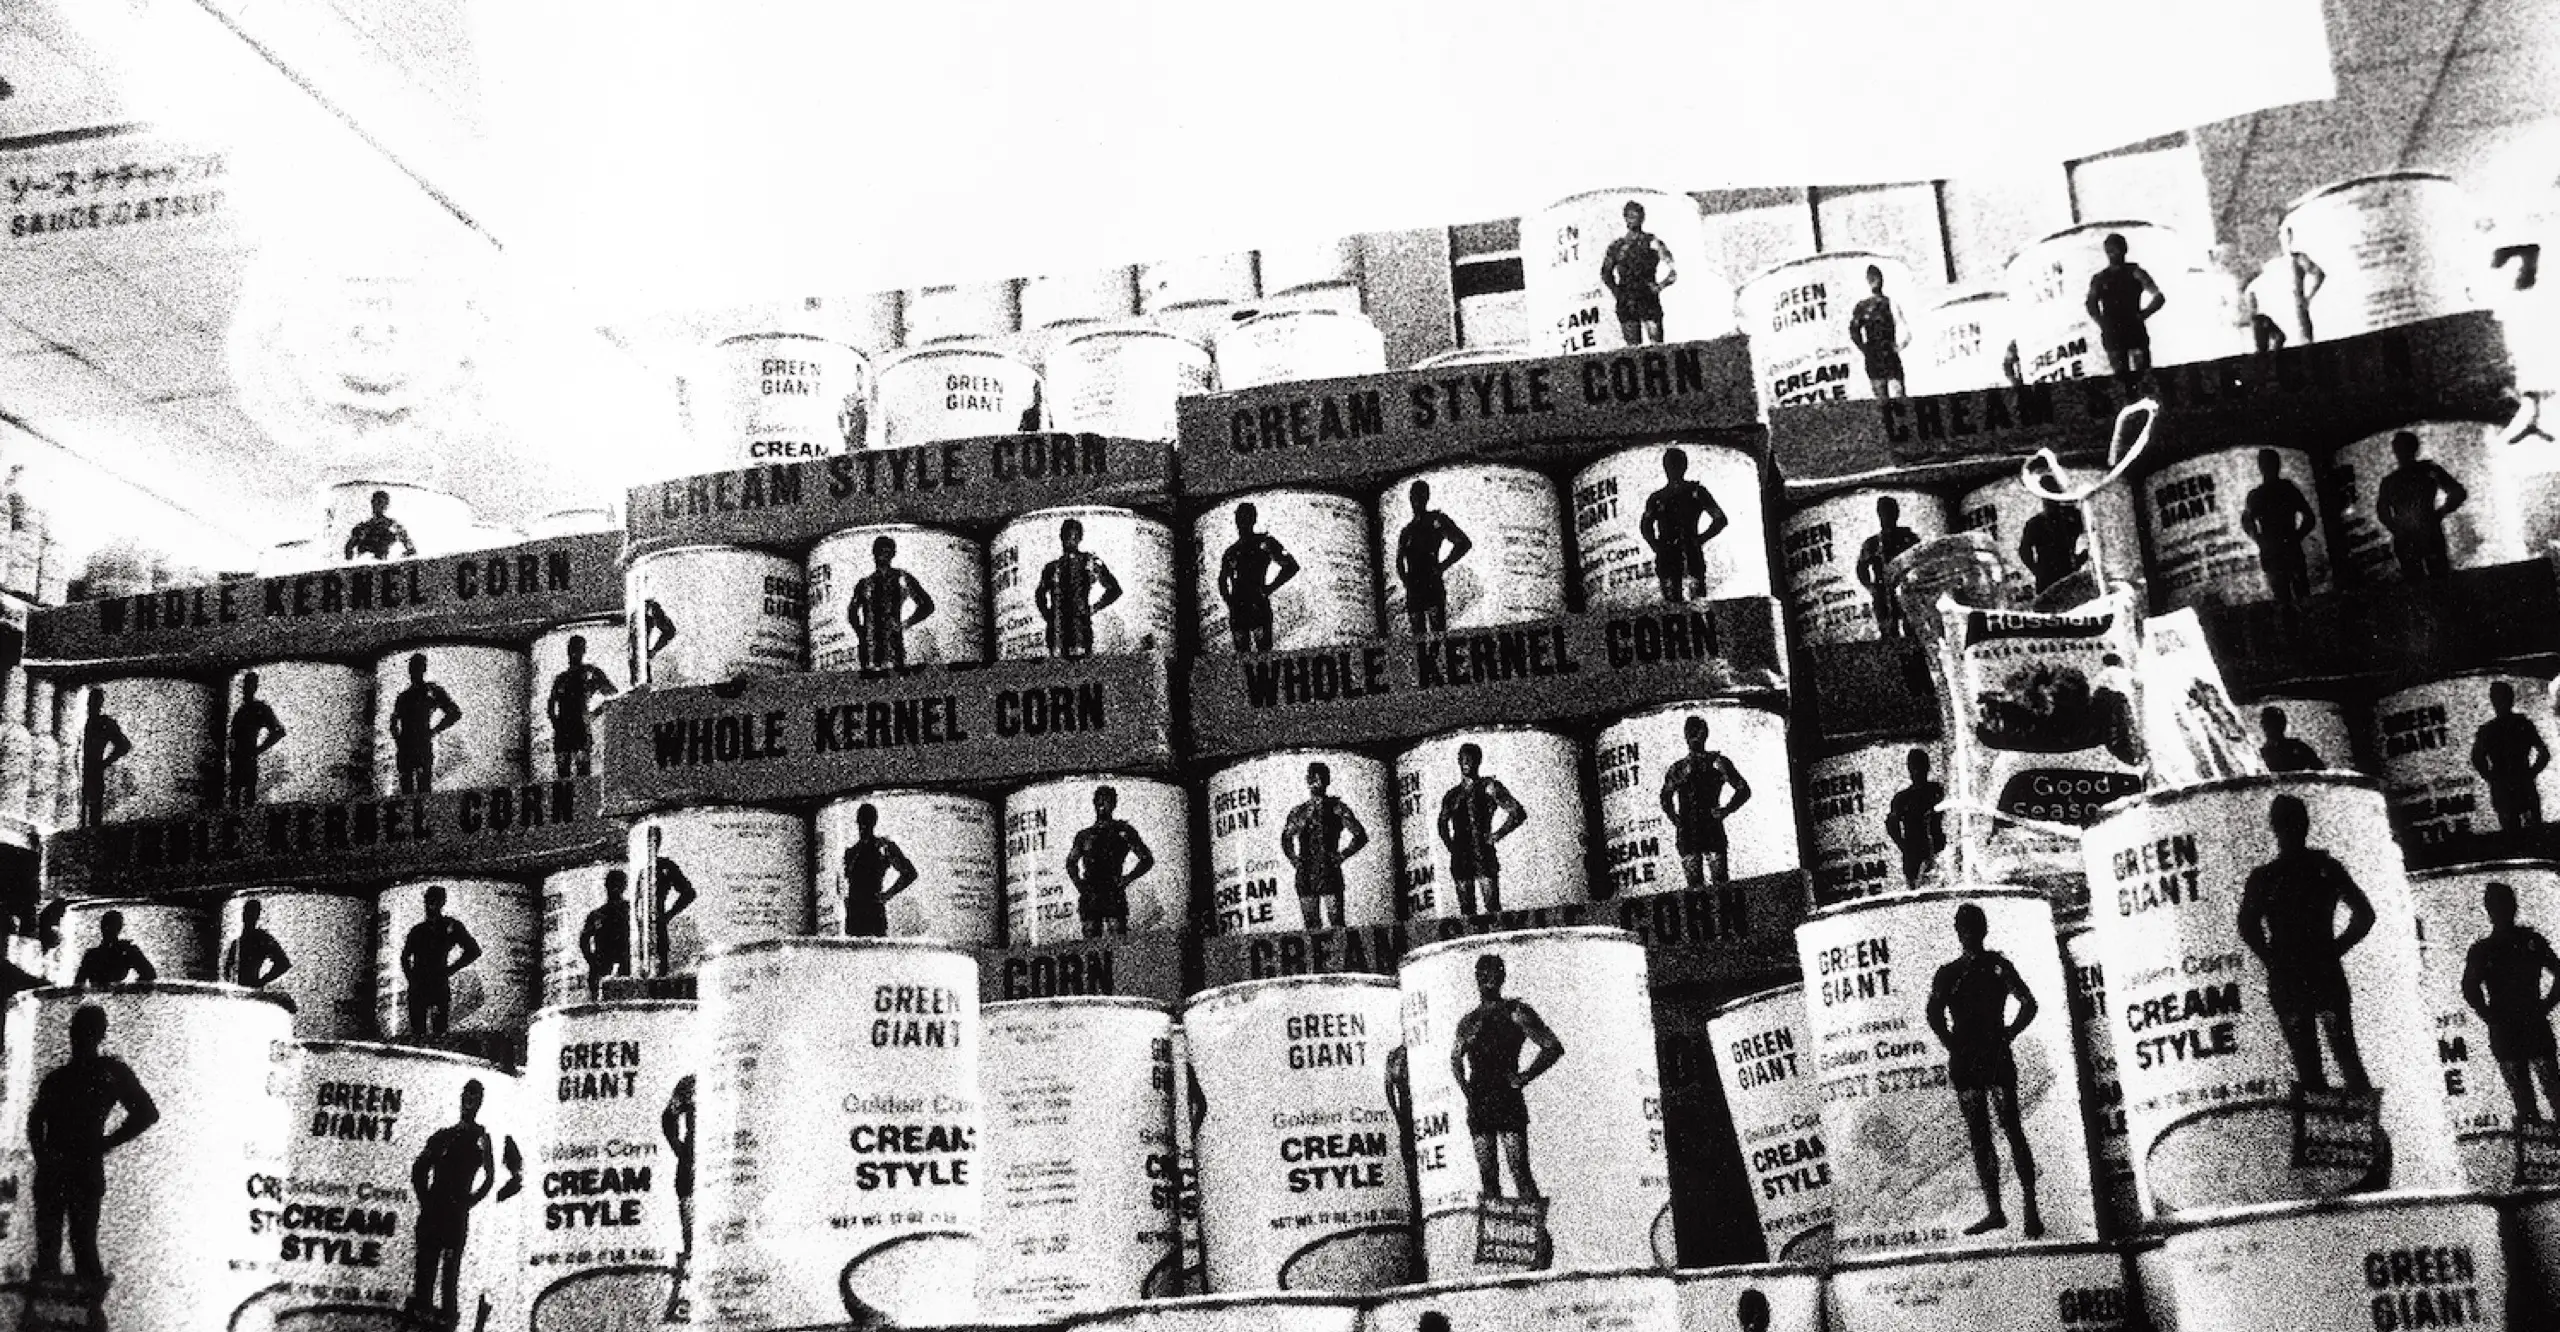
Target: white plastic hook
(2043,477)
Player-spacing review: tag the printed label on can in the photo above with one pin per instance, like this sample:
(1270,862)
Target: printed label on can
(2489,968)
(1285,569)
(1089,856)
(717,877)
(313,947)
(1668,526)
(121,942)
(297,732)
(450,716)
(1692,797)
(1829,329)
(1289,346)
(575,670)
(1075,582)
(2379,253)
(908,865)
(2302,734)
(611,1092)
(1470,548)
(1764,1056)
(2053,539)
(2407,505)
(786,397)
(386,520)
(1124,383)
(1621,268)
(1744,1299)
(1303,1113)
(1948,1101)
(454,956)
(1614,1302)
(704,615)
(886,597)
(2260,958)
(1308,825)
(1964,344)
(1187,1112)
(955,393)
(1874,821)
(2439,1263)
(2465,755)
(2234,527)
(1836,550)
(2101,1091)
(1491,821)
(139,749)
(2064,1289)
(587,932)
(2114,298)
(2050,727)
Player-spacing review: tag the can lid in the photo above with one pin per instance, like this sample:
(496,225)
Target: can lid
(962,347)
(1868,1262)
(2114,224)
(1822,257)
(860,530)
(2471,673)
(1453,468)
(475,881)
(188,988)
(2170,795)
(1959,893)
(2470,867)
(1508,938)
(582,622)
(1494,728)
(1133,1002)
(1619,190)
(2252,1213)
(1793,989)
(1284,492)
(2358,182)
(1117,328)
(1972,295)
(604,1007)
(1772,703)
(1223,995)
(305,663)
(1055,512)
(1301,312)
(299,890)
(834,944)
(1746,1271)
(782,336)
(1427,1290)
(1117,779)
(387,1050)
(124,903)
(699,547)
(448,646)
(726,809)
(849,799)
(1188,1303)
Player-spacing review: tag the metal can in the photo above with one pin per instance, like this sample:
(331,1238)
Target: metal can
(2535,1226)
(844,1178)
(2013,1288)
(955,390)
(701,615)
(1083,296)
(2234,987)
(962,310)
(907,864)
(133,940)
(716,876)
(1470,547)
(1279,570)
(455,957)
(1828,327)
(389,520)
(1207,279)
(1873,818)
(1075,581)
(2421,502)
(2484,955)
(2403,1260)
(576,668)
(1080,1200)
(1836,550)
(139,748)
(610,1118)
(1963,342)
(1332,850)
(1461,795)
(1095,855)
(2235,526)
(888,595)
(1930,1095)
(1575,1002)
(1693,796)
(1766,1297)
(2459,755)
(1764,1057)
(299,732)
(450,716)
(2053,539)
(2379,251)
(1286,346)
(1329,262)
(2101,1090)
(588,932)
(163,1214)
(313,946)
(1306,1166)
(1698,534)
(2115,266)
(1621,268)
(1637,1301)
(2155,1292)
(785,397)
(2302,734)
(1124,381)
(1187,1114)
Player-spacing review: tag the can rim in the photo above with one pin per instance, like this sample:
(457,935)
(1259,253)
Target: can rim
(1758,997)
(1868,1262)
(1081,778)
(448,880)
(592,1007)
(300,890)
(200,989)
(1594,933)
(84,903)
(691,547)
(1972,294)
(1218,1300)
(2217,1218)
(557,626)
(2355,182)
(857,796)
(418,1052)
(714,807)
(1868,493)
(963,346)
(1821,256)
(1128,328)
(788,335)
(1493,728)
(1302,312)
(2468,673)
(1746,703)
(357,482)
(1745,1271)
(1445,468)
(2484,867)
(1457,357)
(882,529)
(402,647)
(1424,1290)
(2170,795)
(2103,224)
(1075,511)
(1293,492)
(1238,991)
(1656,191)
(1134,1002)
(825,943)
(273,663)
(1855,905)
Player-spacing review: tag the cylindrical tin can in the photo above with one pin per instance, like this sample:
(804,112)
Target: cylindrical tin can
(2256,934)
(1286,346)
(588,932)
(1764,1055)
(1082,296)
(576,668)
(1836,550)
(955,390)
(314,946)
(455,957)
(1305,1170)
(403,1173)
(573,522)
(1628,1301)
(1698,532)
(2300,734)
(1089,856)
(1470,547)
(2117,268)
(2404,1260)
(1930,1096)
(610,1120)
(1080,1201)
(1621,268)
(2485,957)
(1208,279)
(2053,539)
(390,520)
(1124,381)
(130,940)
(1261,1311)
(844,1179)
(1187,1114)
(1574,1002)
(2013,1288)
(158,1222)
(2155,1292)
(47,756)
(299,732)
(2101,1090)
(2234,526)
(716,876)
(1828,328)
(450,716)
(702,615)
(888,595)
(1333,850)
(784,397)
(1332,262)
(1071,582)
(1278,570)
(1769,1297)
(960,311)
(140,748)
(2421,502)
(1461,795)
(1873,818)
(302,555)
(907,864)
(2379,251)
(1963,342)
(1694,796)
(2464,755)
(2278,316)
